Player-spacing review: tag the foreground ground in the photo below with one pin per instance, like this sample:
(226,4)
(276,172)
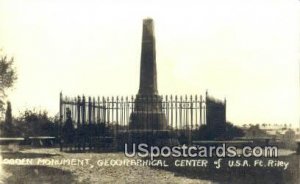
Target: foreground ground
(91,172)
(82,174)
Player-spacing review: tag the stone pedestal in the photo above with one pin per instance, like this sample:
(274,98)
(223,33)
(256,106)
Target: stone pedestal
(148,114)
(148,121)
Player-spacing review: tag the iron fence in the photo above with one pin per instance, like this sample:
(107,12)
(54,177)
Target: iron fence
(86,121)
(181,112)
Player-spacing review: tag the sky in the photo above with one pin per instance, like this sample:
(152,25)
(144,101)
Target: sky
(245,51)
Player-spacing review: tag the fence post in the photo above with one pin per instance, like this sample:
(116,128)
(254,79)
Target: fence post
(60,121)
(191,119)
(83,122)
(113,123)
(171,108)
(104,111)
(90,111)
(127,112)
(89,127)
(78,131)
(180,113)
(93,110)
(225,109)
(117,113)
(186,114)
(196,108)
(122,112)
(200,123)
(176,122)
(117,120)
(167,109)
(108,110)
(112,109)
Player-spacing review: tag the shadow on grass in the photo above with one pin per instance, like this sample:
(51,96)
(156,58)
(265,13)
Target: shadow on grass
(238,175)
(93,151)
(37,175)
(13,155)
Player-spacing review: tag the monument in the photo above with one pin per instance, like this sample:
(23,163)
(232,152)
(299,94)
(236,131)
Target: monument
(148,114)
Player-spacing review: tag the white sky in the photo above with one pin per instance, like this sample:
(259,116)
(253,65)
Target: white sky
(246,51)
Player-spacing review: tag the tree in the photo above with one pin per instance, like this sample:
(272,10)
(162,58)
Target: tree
(7,128)
(8,115)
(233,131)
(8,76)
(37,123)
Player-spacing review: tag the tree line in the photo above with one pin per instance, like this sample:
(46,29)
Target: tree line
(29,123)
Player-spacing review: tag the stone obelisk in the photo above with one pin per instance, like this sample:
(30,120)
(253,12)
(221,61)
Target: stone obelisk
(147,114)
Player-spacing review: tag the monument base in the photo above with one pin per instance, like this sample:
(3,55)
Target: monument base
(158,138)
(147,121)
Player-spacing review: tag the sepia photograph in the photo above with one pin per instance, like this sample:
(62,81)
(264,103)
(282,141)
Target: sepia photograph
(149,91)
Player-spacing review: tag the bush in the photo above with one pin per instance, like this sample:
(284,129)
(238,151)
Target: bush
(209,133)
(33,123)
